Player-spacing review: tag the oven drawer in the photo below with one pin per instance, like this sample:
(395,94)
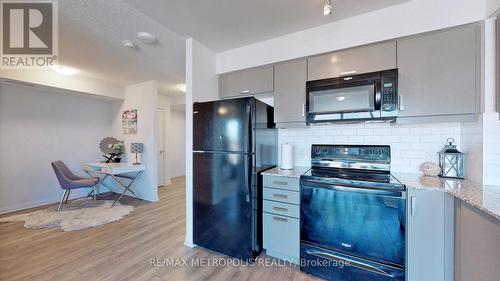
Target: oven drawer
(285,196)
(281,237)
(282,182)
(336,266)
(279,208)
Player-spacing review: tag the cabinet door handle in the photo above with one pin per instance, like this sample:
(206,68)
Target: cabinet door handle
(280,182)
(412,205)
(400,105)
(245,92)
(280,219)
(348,73)
(280,209)
(303,109)
(283,196)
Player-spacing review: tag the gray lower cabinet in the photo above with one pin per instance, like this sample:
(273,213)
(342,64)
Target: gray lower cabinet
(281,218)
(247,82)
(439,73)
(497,70)
(365,59)
(430,225)
(290,92)
(477,244)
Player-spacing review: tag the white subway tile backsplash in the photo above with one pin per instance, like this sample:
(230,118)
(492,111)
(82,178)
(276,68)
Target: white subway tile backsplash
(411,144)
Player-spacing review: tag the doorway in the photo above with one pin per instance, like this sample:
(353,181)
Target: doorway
(161,148)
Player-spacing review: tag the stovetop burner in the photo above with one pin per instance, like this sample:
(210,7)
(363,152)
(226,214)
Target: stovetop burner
(352,165)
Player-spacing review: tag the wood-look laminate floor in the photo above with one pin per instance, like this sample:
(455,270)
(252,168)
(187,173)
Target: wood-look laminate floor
(146,245)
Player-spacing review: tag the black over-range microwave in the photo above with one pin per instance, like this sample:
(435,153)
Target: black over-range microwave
(370,96)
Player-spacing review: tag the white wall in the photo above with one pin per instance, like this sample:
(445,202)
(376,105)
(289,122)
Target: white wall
(412,17)
(202,85)
(144,98)
(38,126)
(176,156)
(78,82)
(491,123)
(411,145)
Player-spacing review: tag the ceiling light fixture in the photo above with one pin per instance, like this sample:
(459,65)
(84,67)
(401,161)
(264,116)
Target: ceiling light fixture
(146,37)
(64,70)
(327,8)
(181,87)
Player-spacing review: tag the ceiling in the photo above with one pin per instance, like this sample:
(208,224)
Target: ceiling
(90,38)
(226,24)
(91,32)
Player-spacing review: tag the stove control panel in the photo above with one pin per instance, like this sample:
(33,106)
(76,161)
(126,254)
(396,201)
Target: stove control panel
(362,153)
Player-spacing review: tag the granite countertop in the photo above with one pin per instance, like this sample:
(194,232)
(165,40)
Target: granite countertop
(296,172)
(484,197)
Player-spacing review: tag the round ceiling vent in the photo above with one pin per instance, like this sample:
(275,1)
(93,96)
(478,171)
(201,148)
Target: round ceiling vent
(129,44)
(146,37)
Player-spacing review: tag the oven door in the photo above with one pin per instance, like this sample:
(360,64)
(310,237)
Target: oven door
(337,99)
(363,223)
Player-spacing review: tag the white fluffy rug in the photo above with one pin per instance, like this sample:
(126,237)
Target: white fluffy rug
(76,215)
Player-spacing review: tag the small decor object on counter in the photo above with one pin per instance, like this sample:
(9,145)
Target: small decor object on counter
(430,169)
(136,148)
(112,149)
(286,156)
(129,122)
(451,161)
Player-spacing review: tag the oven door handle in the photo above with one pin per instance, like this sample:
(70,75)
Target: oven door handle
(371,191)
(351,262)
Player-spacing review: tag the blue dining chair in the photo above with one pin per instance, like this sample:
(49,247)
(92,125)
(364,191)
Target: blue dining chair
(69,181)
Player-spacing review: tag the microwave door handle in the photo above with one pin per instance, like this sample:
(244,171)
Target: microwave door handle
(378,96)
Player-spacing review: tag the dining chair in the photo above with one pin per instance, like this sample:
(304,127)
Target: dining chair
(69,181)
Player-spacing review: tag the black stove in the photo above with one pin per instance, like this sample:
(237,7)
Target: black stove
(352,165)
(352,212)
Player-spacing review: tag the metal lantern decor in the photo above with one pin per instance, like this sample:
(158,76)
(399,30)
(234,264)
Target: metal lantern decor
(451,161)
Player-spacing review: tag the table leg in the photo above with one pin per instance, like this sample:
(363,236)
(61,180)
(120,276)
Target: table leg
(126,187)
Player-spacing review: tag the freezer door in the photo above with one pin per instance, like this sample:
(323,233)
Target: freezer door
(223,125)
(224,220)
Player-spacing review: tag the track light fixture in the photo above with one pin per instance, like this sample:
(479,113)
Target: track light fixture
(327,9)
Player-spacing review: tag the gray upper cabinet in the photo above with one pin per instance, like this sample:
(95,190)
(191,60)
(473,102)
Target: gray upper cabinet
(439,73)
(290,91)
(247,82)
(370,58)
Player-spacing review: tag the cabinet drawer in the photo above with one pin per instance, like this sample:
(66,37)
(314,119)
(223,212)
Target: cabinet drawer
(281,236)
(279,208)
(282,182)
(285,196)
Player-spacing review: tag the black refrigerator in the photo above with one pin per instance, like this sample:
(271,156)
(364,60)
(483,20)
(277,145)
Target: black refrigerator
(233,141)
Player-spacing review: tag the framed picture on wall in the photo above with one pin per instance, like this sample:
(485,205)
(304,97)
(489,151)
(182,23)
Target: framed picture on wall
(129,122)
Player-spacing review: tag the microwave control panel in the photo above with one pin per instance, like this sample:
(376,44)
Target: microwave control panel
(389,92)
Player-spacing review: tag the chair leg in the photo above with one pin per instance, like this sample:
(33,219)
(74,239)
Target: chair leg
(95,193)
(67,196)
(62,199)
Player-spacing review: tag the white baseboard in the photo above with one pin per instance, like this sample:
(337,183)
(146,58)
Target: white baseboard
(34,204)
